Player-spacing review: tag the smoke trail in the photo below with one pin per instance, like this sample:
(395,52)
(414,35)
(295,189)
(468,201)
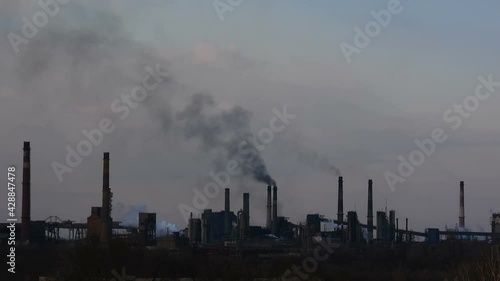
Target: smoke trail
(313,159)
(163,227)
(224,133)
(128,215)
(85,56)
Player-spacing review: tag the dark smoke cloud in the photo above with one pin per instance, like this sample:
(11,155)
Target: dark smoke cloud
(225,133)
(91,60)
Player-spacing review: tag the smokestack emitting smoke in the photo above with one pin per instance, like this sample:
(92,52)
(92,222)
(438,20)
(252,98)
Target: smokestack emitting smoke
(26,211)
(340,209)
(227,220)
(105,237)
(370,211)
(275,210)
(461,219)
(269,224)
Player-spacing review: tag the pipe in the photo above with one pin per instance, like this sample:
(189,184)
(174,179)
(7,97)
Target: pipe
(392,225)
(269,212)
(206,231)
(406,234)
(26,211)
(106,203)
(275,210)
(461,219)
(398,239)
(369,218)
(246,211)
(241,224)
(227,219)
(340,210)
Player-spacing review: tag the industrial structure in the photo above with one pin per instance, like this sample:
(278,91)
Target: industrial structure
(26,210)
(228,229)
(461,219)
(147,229)
(369,218)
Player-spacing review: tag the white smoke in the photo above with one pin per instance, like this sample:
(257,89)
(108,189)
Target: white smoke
(129,216)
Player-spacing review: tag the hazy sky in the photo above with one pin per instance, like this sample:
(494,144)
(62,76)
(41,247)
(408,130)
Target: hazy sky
(263,55)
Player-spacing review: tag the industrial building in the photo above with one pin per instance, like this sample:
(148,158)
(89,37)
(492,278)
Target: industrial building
(230,227)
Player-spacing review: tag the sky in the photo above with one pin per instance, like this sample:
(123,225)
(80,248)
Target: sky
(259,56)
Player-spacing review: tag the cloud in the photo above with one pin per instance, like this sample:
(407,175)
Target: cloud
(223,57)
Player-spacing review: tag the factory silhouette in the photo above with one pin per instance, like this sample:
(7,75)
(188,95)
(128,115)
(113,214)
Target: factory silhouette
(229,233)
(229,228)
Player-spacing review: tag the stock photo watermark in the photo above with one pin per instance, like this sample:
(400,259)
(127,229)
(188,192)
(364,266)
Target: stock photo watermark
(48,9)
(246,150)
(121,106)
(372,29)
(12,220)
(121,277)
(455,117)
(310,264)
(223,6)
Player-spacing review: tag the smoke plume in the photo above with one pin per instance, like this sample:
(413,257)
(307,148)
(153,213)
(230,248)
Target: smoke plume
(225,133)
(80,69)
(312,158)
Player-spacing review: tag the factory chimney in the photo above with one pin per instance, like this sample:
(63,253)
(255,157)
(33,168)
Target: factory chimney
(406,233)
(26,211)
(105,237)
(275,210)
(392,225)
(246,210)
(370,211)
(269,212)
(340,213)
(227,218)
(461,219)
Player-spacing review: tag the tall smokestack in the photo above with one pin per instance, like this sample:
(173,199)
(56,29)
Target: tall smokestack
(340,212)
(275,210)
(406,233)
(106,203)
(227,219)
(461,219)
(26,211)
(269,224)
(392,225)
(370,211)
(246,210)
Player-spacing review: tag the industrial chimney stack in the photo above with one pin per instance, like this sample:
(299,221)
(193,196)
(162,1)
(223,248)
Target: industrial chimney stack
(26,211)
(269,224)
(275,210)
(370,211)
(340,213)
(227,219)
(461,219)
(246,211)
(105,237)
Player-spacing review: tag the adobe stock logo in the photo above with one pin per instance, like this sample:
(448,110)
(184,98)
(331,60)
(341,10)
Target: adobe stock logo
(372,29)
(224,6)
(247,151)
(121,107)
(49,9)
(454,116)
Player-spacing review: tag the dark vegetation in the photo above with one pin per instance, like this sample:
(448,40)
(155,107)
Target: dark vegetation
(453,260)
